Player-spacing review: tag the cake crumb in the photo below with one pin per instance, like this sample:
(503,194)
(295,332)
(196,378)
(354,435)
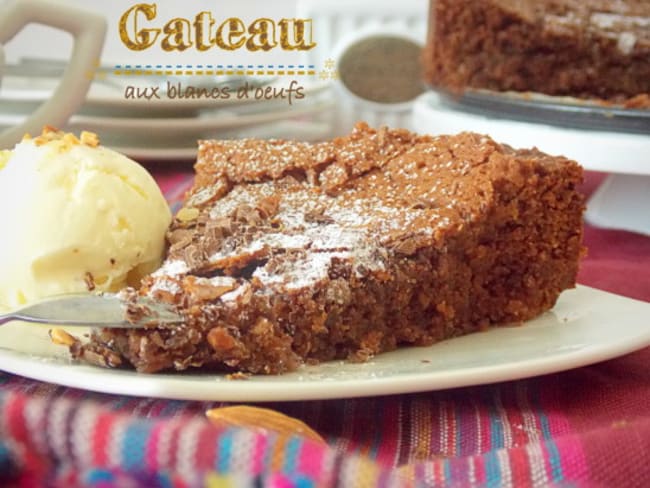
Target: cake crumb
(238,376)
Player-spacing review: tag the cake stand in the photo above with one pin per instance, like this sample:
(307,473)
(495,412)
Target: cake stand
(599,137)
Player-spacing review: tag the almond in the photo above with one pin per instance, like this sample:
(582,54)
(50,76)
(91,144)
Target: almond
(61,338)
(263,419)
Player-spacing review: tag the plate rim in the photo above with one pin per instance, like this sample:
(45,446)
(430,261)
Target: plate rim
(275,388)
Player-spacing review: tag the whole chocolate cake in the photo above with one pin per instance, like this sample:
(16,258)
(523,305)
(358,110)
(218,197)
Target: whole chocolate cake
(581,48)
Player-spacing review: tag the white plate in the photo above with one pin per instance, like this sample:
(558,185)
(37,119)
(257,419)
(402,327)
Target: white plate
(586,326)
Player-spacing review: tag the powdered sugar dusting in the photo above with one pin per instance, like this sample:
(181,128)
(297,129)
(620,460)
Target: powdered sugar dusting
(166,285)
(626,42)
(303,272)
(222,281)
(317,226)
(171,268)
(611,20)
(232,296)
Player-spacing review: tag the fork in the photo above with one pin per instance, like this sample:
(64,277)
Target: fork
(102,311)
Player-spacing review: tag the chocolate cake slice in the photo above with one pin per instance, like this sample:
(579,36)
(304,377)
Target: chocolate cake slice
(288,253)
(597,49)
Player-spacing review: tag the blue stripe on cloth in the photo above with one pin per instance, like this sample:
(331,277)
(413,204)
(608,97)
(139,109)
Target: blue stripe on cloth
(375,442)
(171,407)
(291,453)
(446,469)
(134,443)
(554,458)
(164,481)
(302,481)
(492,469)
(224,452)
(553,453)
(8,465)
(98,476)
(496,429)
(120,402)
(115,477)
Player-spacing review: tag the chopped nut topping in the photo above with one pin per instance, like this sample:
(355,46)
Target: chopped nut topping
(221,340)
(187,214)
(4,157)
(89,280)
(71,139)
(49,134)
(89,139)
(65,140)
(203,289)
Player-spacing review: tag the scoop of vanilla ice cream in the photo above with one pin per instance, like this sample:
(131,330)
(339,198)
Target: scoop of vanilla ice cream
(77,217)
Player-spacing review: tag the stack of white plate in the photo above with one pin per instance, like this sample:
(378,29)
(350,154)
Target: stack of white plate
(167,129)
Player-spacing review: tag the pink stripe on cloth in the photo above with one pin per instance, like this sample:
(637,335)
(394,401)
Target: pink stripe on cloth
(259,453)
(101,437)
(13,418)
(174,185)
(154,444)
(571,462)
(310,459)
(170,182)
(206,448)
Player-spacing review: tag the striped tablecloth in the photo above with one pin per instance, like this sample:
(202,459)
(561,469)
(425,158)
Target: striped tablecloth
(584,427)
